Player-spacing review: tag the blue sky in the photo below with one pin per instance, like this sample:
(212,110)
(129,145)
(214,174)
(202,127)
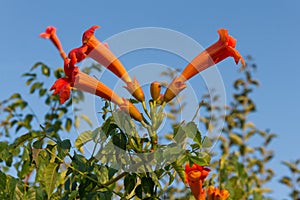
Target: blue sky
(267,30)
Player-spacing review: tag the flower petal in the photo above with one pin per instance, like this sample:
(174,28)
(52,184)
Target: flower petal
(62,87)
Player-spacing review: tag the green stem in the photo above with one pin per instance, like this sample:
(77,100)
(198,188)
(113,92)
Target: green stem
(145,109)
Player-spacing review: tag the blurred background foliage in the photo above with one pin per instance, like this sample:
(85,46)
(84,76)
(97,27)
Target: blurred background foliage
(36,163)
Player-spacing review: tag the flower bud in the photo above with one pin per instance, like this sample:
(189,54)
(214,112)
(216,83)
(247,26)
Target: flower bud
(155,88)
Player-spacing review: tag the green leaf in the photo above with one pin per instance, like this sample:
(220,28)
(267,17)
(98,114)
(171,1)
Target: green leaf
(37,64)
(83,138)
(20,140)
(42,92)
(87,120)
(58,73)
(180,170)
(139,191)
(198,138)
(191,130)
(51,177)
(120,140)
(269,138)
(36,85)
(206,143)
(63,148)
(124,122)
(68,124)
(45,70)
(129,183)
(2,182)
(77,122)
(293,167)
(148,185)
(172,152)
(235,138)
(103,175)
(180,135)
(18,192)
(286,181)
(33,75)
(15,96)
(199,160)
(38,144)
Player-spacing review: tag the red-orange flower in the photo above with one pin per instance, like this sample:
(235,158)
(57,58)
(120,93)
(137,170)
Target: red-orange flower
(77,79)
(223,48)
(50,33)
(102,54)
(217,194)
(195,176)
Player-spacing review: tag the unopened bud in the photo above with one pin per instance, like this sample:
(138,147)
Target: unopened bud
(155,88)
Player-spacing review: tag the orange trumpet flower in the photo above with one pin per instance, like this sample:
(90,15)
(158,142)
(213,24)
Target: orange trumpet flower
(86,83)
(77,79)
(195,176)
(223,48)
(50,33)
(216,194)
(100,52)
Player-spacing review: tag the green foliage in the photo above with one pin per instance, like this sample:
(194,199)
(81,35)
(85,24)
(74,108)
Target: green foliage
(292,181)
(244,148)
(127,160)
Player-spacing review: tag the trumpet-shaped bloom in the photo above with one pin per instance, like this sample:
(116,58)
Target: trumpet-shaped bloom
(50,33)
(176,86)
(195,176)
(100,52)
(216,194)
(79,80)
(223,48)
(135,89)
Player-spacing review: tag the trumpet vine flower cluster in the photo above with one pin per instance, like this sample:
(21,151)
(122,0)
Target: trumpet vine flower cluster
(93,48)
(100,52)
(195,176)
